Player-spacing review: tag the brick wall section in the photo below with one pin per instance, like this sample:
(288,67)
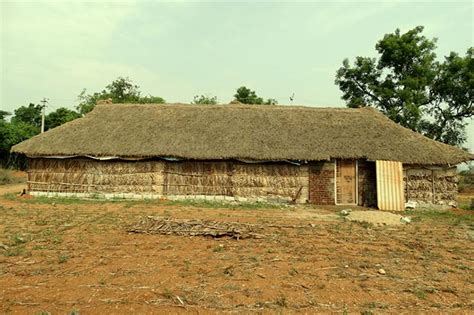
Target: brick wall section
(367,184)
(321,183)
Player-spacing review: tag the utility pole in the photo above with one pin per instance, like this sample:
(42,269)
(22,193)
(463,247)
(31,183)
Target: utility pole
(44,101)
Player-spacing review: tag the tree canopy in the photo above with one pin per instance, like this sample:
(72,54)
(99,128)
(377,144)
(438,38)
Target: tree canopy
(30,115)
(411,87)
(4,114)
(26,123)
(121,90)
(247,96)
(205,100)
(60,116)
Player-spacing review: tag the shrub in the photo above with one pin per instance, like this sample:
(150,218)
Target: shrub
(466,180)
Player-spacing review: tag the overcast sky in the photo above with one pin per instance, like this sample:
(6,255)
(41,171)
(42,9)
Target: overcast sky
(178,49)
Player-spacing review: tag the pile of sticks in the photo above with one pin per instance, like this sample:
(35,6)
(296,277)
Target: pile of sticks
(189,227)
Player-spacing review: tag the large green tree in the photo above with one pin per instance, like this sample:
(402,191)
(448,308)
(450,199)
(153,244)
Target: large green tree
(26,123)
(247,96)
(60,116)
(30,115)
(121,90)
(4,136)
(22,126)
(409,85)
(4,114)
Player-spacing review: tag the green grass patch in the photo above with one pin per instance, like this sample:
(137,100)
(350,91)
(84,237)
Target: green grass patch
(52,236)
(441,216)
(463,267)
(56,200)
(16,251)
(466,206)
(420,293)
(211,204)
(18,239)
(214,204)
(62,258)
(218,249)
(373,305)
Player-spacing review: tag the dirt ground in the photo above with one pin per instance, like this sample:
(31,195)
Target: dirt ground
(68,256)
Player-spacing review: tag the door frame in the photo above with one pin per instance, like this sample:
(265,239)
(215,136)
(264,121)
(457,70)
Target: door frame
(356,185)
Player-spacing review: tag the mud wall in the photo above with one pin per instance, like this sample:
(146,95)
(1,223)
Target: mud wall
(430,184)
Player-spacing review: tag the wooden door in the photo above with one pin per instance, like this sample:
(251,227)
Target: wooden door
(346,182)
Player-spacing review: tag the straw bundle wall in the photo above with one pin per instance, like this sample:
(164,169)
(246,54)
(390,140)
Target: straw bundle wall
(190,178)
(198,178)
(272,180)
(236,179)
(434,185)
(91,176)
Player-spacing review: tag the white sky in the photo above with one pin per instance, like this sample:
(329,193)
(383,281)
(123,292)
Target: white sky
(178,49)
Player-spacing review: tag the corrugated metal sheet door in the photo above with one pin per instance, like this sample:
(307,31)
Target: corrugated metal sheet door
(390,195)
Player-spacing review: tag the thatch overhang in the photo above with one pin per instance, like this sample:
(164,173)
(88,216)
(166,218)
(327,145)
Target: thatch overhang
(253,132)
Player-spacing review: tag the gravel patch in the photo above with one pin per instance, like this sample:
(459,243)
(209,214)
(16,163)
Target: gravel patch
(375,217)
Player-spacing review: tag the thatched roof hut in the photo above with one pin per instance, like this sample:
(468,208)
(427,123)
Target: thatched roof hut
(256,132)
(242,152)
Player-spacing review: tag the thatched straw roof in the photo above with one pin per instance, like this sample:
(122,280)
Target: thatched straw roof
(256,132)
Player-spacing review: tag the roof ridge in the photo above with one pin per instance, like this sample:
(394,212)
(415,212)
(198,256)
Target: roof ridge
(233,106)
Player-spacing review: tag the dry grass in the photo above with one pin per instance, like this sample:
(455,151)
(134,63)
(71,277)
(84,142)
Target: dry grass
(11,177)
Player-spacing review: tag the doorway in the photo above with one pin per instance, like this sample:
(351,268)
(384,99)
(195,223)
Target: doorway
(346,182)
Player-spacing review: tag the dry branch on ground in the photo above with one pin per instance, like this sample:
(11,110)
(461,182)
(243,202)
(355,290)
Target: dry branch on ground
(167,226)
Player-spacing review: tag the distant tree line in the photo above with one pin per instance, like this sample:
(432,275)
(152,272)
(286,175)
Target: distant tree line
(24,124)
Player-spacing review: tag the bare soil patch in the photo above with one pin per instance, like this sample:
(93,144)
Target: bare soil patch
(375,217)
(64,255)
(12,189)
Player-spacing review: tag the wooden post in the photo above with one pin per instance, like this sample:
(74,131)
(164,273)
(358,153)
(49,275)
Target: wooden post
(432,187)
